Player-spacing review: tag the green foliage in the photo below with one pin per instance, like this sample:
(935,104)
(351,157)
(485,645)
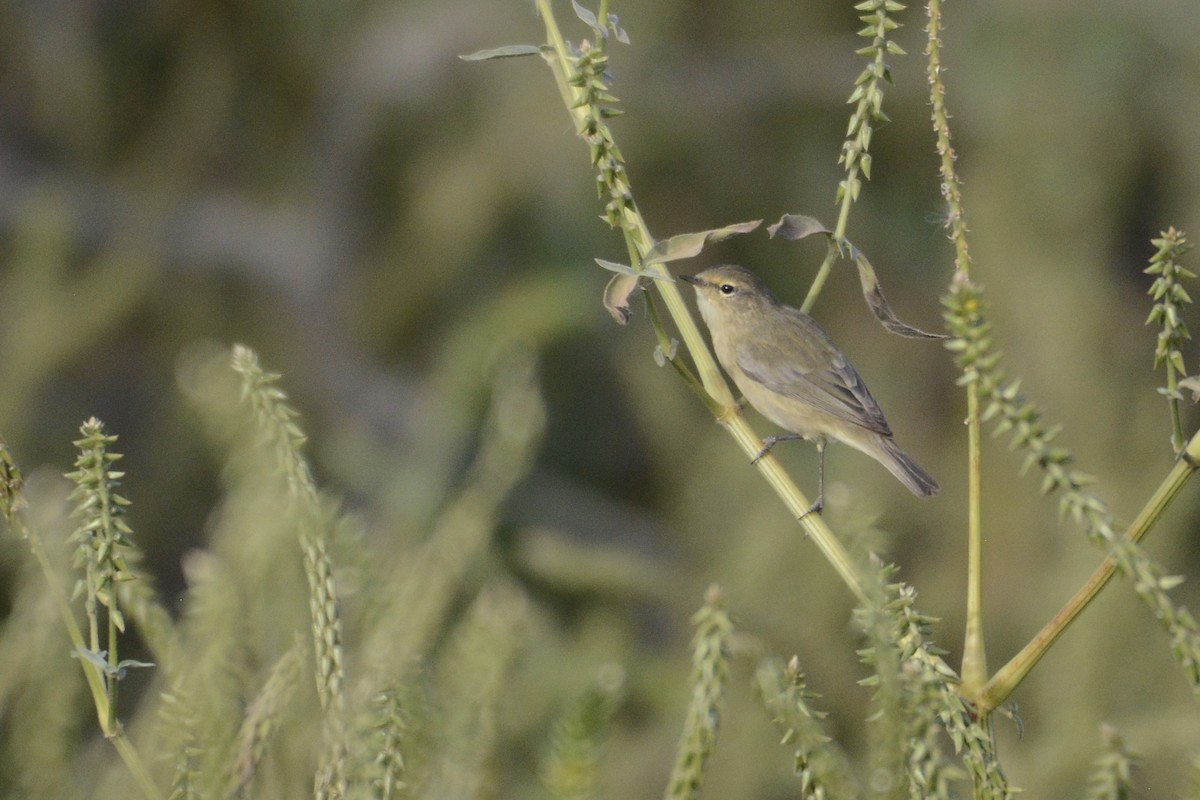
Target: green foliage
(867,96)
(1170,299)
(710,673)
(917,701)
(571,766)
(820,765)
(1112,776)
(221,728)
(980,365)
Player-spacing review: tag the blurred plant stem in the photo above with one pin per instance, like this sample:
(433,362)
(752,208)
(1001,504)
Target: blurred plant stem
(974,663)
(12,504)
(589,120)
(1001,685)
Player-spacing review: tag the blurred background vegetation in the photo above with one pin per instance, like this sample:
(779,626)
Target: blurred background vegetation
(329,184)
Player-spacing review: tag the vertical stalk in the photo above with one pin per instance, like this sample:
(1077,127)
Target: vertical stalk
(1177,437)
(974,666)
(974,663)
(113,668)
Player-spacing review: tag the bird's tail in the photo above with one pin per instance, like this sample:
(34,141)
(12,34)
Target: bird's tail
(900,464)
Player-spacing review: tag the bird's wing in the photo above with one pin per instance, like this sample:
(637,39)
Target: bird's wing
(812,371)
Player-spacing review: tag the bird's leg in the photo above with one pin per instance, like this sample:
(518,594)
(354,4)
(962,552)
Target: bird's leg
(819,503)
(771,441)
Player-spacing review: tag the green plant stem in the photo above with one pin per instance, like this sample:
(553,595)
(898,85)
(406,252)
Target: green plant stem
(1177,437)
(105,708)
(134,763)
(637,232)
(91,674)
(974,664)
(835,246)
(729,415)
(868,97)
(113,663)
(831,255)
(997,690)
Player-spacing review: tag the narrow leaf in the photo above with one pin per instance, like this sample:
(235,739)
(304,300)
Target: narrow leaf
(687,245)
(508,51)
(128,664)
(625,269)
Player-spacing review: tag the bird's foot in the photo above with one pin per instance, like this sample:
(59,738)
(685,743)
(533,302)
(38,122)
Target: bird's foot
(771,441)
(815,508)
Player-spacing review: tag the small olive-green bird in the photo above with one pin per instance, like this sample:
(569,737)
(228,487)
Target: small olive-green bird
(792,373)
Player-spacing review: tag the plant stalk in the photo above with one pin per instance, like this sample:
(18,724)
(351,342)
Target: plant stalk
(974,661)
(974,664)
(638,236)
(1002,684)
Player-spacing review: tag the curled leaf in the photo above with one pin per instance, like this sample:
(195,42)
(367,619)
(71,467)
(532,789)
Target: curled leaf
(687,245)
(1192,384)
(508,51)
(617,30)
(616,296)
(873,294)
(797,226)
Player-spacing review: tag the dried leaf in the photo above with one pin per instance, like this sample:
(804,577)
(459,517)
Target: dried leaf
(616,296)
(687,245)
(797,226)
(508,51)
(873,294)
(1192,384)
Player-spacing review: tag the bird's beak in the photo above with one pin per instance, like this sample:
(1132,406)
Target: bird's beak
(692,279)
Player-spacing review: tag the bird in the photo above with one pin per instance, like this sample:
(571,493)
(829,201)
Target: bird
(791,372)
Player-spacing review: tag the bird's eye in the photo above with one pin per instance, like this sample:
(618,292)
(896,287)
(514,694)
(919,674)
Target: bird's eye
(727,289)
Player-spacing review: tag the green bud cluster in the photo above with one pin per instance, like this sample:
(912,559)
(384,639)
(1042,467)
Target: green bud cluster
(868,92)
(595,102)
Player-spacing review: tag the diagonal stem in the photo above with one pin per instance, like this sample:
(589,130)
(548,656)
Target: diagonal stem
(729,413)
(997,690)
